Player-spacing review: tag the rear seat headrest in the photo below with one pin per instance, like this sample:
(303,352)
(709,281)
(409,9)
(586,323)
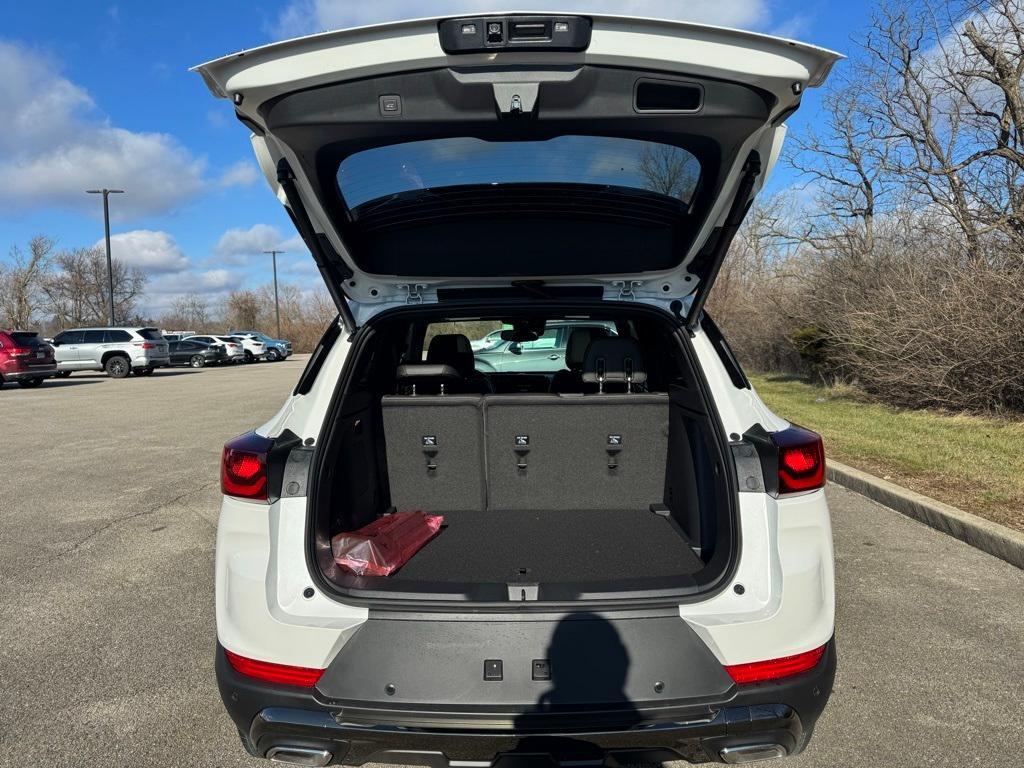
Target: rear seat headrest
(426,377)
(579,340)
(426,371)
(615,359)
(452,349)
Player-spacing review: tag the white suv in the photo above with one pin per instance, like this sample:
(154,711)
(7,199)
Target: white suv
(635,559)
(117,350)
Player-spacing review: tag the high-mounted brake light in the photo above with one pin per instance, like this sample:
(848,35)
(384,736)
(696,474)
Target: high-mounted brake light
(774,669)
(286,674)
(801,460)
(243,467)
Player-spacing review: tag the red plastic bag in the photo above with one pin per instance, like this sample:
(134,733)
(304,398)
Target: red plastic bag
(386,544)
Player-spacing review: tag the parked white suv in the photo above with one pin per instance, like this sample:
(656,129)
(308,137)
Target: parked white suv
(635,560)
(233,347)
(253,348)
(117,350)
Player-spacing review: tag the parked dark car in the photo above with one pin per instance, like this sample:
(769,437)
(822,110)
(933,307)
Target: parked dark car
(25,358)
(196,354)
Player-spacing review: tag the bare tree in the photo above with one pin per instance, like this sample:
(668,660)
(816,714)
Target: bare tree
(76,290)
(669,170)
(846,162)
(190,311)
(22,296)
(243,310)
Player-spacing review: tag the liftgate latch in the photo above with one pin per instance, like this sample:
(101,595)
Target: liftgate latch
(413,292)
(626,288)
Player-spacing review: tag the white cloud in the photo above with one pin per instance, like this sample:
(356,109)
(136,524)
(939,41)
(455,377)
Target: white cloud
(55,144)
(235,245)
(150,251)
(242,174)
(201,282)
(302,17)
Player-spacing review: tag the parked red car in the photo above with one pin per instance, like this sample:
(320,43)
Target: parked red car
(25,358)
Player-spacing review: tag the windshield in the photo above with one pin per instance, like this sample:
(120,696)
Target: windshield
(592,160)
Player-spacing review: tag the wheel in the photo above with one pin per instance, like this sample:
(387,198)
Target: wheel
(117,367)
(273,355)
(30,383)
(197,361)
(63,374)
(248,356)
(143,371)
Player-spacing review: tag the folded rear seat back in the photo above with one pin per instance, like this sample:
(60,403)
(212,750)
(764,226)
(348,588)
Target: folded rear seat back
(552,452)
(434,450)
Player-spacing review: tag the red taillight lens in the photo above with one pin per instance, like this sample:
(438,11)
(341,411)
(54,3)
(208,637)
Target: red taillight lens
(145,344)
(773,669)
(801,460)
(243,467)
(20,352)
(274,673)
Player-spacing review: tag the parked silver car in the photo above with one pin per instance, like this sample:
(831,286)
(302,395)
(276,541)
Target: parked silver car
(116,350)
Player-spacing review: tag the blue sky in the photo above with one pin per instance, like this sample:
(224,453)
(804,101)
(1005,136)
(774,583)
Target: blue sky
(99,93)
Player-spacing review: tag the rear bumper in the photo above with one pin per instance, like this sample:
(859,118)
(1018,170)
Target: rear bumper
(776,716)
(150,362)
(27,374)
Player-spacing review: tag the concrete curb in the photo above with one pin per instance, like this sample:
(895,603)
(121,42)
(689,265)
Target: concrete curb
(998,540)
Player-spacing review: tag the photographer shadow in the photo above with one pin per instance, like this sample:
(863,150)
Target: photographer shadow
(588,665)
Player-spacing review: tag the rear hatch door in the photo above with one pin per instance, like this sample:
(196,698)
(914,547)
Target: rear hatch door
(601,154)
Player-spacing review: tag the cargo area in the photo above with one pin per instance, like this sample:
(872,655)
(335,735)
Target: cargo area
(601,478)
(578,545)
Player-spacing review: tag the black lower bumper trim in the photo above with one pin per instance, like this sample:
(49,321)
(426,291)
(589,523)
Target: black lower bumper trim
(696,741)
(29,374)
(782,713)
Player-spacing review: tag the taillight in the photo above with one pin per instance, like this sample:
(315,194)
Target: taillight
(286,674)
(774,669)
(145,344)
(20,352)
(801,460)
(243,467)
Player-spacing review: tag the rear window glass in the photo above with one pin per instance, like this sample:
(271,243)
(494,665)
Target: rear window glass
(150,334)
(594,160)
(25,339)
(492,354)
(69,337)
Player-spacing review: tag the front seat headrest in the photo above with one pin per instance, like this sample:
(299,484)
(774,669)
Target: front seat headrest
(615,359)
(579,340)
(452,349)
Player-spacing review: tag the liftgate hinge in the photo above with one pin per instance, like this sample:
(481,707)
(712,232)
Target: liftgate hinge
(626,288)
(413,293)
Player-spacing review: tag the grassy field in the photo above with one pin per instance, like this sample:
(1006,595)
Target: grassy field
(972,462)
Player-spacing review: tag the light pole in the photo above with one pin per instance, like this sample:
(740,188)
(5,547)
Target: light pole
(106,229)
(277,306)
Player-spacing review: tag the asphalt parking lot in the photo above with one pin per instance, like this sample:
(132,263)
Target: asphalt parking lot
(108,505)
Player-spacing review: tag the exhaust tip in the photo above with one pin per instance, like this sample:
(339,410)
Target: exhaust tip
(752,753)
(299,755)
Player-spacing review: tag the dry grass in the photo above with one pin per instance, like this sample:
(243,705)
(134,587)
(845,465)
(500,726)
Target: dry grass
(973,462)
